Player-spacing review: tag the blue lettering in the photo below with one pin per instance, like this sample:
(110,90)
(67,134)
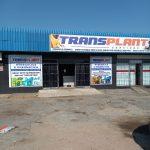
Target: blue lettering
(101,41)
(83,40)
(92,41)
(73,40)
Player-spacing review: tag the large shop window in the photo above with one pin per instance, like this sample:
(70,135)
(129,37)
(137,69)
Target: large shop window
(123,76)
(146,74)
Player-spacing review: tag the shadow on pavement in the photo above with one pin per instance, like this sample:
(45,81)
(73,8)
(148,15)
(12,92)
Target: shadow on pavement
(141,136)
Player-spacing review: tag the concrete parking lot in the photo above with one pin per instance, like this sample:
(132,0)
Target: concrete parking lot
(104,121)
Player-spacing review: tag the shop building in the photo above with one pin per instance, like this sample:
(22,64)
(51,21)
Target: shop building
(34,59)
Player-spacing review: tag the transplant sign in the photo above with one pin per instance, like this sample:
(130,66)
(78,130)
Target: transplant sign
(101,70)
(25,71)
(77,43)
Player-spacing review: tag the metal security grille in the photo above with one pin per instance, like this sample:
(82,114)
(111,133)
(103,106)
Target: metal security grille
(82,74)
(50,75)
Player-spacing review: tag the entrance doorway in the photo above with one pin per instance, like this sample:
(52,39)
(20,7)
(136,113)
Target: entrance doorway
(138,74)
(66,75)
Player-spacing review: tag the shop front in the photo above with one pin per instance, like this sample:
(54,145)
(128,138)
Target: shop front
(62,60)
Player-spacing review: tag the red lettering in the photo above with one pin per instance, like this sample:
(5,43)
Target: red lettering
(135,42)
(110,41)
(118,42)
(127,42)
(144,42)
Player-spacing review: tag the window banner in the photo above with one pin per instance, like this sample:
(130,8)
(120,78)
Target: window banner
(101,70)
(25,71)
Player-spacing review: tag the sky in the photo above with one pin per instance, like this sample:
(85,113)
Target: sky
(125,16)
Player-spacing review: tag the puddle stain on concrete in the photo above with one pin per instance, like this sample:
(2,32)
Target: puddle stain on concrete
(128,125)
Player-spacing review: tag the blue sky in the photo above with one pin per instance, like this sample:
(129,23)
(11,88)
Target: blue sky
(127,16)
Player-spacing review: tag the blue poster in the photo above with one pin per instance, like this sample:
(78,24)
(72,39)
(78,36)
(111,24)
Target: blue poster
(25,71)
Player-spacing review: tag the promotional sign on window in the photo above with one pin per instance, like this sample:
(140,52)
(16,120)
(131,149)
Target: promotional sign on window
(77,43)
(101,70)
(25,71)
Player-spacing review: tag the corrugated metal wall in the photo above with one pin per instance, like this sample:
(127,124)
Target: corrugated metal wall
(23,40)
(38,40)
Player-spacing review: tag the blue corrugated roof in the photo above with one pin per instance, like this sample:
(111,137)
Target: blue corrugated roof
(37,40)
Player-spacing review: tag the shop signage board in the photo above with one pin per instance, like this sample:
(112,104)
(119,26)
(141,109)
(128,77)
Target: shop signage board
(25,71)
(79,43)
(101,70)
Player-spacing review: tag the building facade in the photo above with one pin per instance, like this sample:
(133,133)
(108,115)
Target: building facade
(34,59)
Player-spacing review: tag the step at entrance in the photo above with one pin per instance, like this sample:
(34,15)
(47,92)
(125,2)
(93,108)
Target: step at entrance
(140,90)
(62,92)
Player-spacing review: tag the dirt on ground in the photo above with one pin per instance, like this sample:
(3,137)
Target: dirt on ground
(96,122)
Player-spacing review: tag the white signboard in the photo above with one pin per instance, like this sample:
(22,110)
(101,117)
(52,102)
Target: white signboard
(77,43)
(25,71)
(101,70)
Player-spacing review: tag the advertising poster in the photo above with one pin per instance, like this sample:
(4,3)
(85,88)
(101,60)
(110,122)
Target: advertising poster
(101,70)
(106,44)
(25,71)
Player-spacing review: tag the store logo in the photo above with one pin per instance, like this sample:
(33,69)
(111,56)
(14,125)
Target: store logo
(54,41)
